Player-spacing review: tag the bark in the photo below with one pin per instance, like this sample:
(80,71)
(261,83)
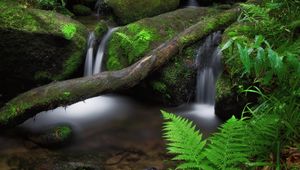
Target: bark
(66,92)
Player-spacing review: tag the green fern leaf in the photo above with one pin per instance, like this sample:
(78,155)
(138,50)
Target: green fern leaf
(185,142)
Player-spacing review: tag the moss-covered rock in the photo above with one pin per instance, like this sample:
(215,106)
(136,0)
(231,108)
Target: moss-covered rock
(81,10)
(128,11)
(37,47)
(131,42)
(53,137)
(175,82)
(100,29)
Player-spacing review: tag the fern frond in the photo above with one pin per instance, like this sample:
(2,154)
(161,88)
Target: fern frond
(125,37)
(184,141)
(229,149)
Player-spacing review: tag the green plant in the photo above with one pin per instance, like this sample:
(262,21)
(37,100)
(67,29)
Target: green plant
(259,60)
(184,141)
(51,4)
(240,144)
(136,45)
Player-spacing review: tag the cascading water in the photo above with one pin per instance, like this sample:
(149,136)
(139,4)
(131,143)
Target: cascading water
(101,51)
(208,62)
(88,68)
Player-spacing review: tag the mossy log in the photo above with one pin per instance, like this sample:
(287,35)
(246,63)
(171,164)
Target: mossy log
(66,92)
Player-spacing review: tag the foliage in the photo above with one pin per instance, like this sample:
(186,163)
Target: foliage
(184,141)
(132,44)
(136,45)
(240,144)
(51,4)
(266,49)
(272,19)
(260,60)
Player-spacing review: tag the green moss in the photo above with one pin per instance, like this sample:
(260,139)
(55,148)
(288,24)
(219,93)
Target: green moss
(101,28)
(12,111)
(133,43)
(63,132)
(162,88)
(223,88)
(14,16)
(68,30)
(70,66)
(131,10)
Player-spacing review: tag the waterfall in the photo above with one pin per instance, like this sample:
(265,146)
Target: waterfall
(88,68)
(192,3)
(98,6)
(101,51)
(208,62)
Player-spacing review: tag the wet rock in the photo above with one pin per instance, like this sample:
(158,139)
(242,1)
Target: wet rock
(100,29)
(37,47)
(174,83)
(43,159)
(53,137)
(127,11)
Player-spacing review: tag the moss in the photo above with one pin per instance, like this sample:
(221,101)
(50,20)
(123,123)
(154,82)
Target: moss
(162,88)
(13,16)
(175,82)
(81,10)
(63,132)
(11,111)
(131,42)
(68,30)
(131,10)
(101,28)
(40,46)
(134,44)
(223,88)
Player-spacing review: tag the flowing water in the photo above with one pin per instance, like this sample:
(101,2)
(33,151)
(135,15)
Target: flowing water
(125,131)
(88,68)
(101,50)
(208,62)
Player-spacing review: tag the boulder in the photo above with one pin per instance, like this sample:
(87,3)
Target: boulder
(54,137)
(127,11)
(81,10)
(37,47)
(175,83)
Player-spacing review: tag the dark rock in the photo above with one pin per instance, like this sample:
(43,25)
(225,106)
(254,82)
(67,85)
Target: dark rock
(37,47)
(81,10)
(53,137)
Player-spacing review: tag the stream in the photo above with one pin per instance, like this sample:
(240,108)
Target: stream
(114,131)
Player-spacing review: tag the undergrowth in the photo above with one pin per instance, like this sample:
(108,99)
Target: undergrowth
(268,52)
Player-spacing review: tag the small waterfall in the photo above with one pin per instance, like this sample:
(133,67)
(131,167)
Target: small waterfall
(98,6)
(192,3)
(88,68)
(101,51)
(208,62)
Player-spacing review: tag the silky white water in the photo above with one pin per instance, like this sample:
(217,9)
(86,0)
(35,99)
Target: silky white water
(101,51)
(88,68)
(208,62)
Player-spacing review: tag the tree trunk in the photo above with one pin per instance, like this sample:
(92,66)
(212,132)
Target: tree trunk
(67,92)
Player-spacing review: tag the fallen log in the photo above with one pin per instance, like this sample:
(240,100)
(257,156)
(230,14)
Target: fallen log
(67,92)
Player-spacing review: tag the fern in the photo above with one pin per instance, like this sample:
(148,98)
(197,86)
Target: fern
(229,149)
(184,141)
(239,143)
